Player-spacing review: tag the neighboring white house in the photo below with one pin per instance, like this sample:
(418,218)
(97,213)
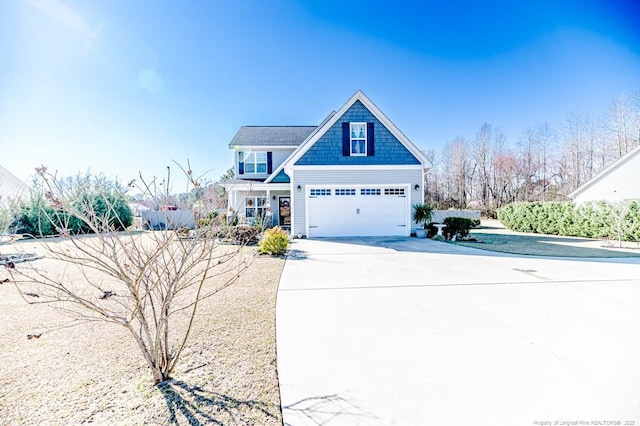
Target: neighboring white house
(10,186)
(620,181)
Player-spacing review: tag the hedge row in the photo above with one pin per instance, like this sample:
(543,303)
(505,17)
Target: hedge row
(590,220)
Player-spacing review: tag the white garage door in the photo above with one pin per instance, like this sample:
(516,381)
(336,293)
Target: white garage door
(358,211)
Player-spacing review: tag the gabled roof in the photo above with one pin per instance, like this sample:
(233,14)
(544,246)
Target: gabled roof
(332,119)
(606,172)
(271,136)
(280,168)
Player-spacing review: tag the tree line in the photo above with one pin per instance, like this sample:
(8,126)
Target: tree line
(544,164)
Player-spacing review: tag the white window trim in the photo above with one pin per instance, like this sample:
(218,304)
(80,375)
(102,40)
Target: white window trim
(255,162)
(352,139)
(254,206)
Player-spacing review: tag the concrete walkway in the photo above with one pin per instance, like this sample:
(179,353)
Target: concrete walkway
(404,331)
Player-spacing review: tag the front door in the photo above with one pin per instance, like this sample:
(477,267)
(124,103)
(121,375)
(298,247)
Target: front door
(284,209)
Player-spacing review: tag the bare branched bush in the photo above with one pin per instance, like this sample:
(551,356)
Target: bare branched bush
(149,282)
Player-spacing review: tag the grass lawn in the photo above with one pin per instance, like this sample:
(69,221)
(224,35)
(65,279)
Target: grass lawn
(544,245)
(94,372)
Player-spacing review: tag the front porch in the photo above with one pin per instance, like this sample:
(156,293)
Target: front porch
(257,202)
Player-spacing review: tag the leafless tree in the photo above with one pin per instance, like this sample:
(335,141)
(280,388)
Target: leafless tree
(537,149)
(623,123)
(150,283)
(545,164)
(456,173)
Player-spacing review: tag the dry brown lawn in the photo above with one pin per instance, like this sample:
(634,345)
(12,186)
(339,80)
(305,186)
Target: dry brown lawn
(94,372)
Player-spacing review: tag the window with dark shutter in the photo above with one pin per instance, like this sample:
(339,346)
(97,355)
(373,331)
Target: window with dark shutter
(370,140)
(241,163)
(358,139)
(346,140)
(269,162)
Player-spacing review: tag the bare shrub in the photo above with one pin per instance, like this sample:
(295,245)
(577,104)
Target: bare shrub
(150,282)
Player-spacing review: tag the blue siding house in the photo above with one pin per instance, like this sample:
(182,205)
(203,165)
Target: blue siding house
(356,174)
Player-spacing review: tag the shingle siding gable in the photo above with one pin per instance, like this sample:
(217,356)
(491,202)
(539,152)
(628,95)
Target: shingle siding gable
(281,177)
(328,149)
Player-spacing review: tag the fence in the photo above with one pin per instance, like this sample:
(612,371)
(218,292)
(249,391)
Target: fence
(171,219)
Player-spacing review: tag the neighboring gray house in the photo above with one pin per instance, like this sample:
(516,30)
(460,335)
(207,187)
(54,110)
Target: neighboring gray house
(356,174)
(10,186)
(615,183)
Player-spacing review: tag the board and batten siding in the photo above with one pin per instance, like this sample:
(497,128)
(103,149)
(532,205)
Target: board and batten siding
(377,177)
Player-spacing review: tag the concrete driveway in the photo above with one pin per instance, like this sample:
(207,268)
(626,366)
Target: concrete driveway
(403,331)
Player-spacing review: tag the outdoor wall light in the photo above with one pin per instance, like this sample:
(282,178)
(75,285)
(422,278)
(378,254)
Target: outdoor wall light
(274,197)
(416,187)
(299,188)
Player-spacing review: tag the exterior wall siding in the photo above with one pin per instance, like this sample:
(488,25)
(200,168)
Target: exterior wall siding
(349,177)
(328,149)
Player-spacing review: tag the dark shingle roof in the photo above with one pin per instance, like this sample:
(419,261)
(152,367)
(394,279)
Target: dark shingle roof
(271,135)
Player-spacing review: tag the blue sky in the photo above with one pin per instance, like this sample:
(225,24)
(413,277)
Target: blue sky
(121,87)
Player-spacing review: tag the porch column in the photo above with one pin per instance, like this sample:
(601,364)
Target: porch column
(269,209)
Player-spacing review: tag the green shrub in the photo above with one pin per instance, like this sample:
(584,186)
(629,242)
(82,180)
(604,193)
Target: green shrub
(84,204)
(210,219)
(597,219)
(458,225)
(423,213)
(275,242)
(34,216)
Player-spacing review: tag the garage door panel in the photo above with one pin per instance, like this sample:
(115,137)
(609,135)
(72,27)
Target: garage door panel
(360,212)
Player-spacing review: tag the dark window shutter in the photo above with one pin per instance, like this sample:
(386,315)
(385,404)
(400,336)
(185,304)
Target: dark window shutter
(241,163)
(370,140)
(346,140)
(269,162)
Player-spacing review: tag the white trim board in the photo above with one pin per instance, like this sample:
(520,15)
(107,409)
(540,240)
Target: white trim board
(363,167)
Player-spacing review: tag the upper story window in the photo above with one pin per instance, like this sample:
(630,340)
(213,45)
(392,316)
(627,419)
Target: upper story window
(253,162)
(358,138)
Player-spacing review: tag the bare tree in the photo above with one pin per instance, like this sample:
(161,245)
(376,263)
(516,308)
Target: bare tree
(623,123)
(150,283)
(536,149)
(456,173)
(481,148)
(432,178)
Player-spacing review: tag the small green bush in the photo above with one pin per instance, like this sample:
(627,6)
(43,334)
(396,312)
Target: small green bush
(458,225)
(275,242)
(423,213)
(210,219)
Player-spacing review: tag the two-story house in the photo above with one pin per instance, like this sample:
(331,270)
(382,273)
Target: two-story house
(356,174)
